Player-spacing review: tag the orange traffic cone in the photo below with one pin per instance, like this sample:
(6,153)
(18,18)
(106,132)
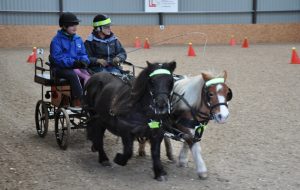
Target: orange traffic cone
(295,59)
(32,56)
(146,44)
(245,43)
(232,41)
(137,43)
(191,51)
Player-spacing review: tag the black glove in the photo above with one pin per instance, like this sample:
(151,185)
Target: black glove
(116,61)
(102,62)
(80,64)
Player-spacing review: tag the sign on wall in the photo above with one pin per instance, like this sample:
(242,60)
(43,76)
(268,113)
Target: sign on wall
(161,6)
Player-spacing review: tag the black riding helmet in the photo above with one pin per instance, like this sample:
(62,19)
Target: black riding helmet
(68,19)
(101,20)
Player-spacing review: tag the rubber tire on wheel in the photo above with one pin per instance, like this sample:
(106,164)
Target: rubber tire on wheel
(62,128)
(41,118)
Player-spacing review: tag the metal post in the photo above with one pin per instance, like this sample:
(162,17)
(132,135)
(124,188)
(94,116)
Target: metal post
(254,13)
(61,6)
(160,19)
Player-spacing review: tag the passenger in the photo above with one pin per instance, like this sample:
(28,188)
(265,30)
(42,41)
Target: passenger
(103,47)
(68,55)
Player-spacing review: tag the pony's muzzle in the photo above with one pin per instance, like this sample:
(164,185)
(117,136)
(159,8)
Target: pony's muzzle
(162,105)
(221,118)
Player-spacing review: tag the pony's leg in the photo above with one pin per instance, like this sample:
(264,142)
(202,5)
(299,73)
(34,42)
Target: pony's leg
(183,155)
(95,133)
(200,164)
(155,140)
(127,141)
(141,150)
(169,149)
(103,159)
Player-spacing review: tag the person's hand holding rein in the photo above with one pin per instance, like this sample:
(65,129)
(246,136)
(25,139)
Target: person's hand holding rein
(102,62)
(80,64)
(116,61)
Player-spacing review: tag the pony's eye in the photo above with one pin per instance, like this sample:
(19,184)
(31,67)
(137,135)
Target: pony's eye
(151,82)
(210,94)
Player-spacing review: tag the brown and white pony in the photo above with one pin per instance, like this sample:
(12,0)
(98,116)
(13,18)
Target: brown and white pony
(195,101)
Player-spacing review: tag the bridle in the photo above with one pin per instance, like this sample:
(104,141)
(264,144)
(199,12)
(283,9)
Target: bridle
(213,82)
(155,124)
(154,94)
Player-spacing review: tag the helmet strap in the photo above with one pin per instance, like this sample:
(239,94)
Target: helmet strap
(66,33)
(99,29)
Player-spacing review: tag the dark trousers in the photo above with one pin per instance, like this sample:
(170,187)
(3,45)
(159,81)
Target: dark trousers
(71,76)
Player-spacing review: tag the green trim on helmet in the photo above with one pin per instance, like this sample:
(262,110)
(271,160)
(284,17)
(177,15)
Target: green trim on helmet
(101,23)
(214,81)
(159,72)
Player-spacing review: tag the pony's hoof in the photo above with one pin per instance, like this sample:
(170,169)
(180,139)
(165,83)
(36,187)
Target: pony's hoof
(171,158)
(120,160)
(182,165)
(142,153)
(203,175)
(106,163)
(162,178)
(93,148)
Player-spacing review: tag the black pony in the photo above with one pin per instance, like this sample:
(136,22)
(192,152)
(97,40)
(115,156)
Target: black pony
(130,110)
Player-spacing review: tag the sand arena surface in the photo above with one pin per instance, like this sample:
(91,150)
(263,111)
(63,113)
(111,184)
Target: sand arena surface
(258,148)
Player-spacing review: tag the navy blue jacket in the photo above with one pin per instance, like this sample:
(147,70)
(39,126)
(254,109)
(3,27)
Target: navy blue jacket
(64,50)
(107,48)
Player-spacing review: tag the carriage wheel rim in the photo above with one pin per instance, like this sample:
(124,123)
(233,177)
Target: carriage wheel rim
(41,118)
(62,128)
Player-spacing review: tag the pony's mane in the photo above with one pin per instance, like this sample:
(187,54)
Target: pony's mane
(129,95)
(213,73)
(191,89)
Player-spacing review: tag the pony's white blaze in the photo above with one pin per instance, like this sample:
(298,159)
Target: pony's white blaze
(224,112)
(219,87)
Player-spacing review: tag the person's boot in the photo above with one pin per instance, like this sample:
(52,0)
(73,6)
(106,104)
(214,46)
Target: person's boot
(76,105)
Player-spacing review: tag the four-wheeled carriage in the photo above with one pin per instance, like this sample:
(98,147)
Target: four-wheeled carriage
(55,104)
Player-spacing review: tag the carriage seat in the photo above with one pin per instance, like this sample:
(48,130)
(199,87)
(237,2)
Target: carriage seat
(47,80)
(44,76)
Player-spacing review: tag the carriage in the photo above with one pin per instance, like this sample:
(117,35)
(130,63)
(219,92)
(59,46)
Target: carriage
(55,104)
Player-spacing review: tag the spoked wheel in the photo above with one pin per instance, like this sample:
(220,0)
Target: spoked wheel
(62,128)
(41,118)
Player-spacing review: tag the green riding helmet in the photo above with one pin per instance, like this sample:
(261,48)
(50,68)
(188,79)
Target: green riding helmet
(100,21)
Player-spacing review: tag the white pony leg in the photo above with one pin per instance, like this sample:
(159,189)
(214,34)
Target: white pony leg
(183,156)
(200,164)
